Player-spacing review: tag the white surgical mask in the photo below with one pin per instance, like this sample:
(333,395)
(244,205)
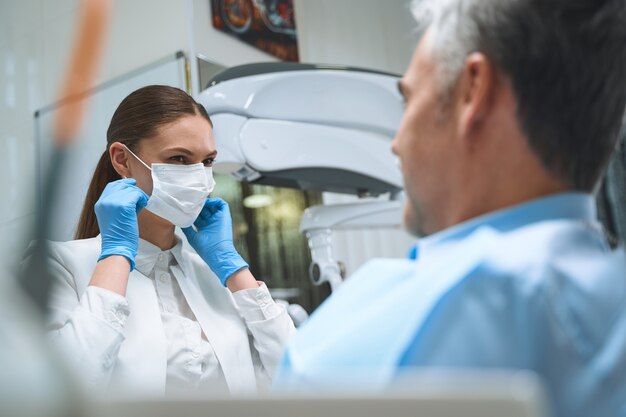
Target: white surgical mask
(178,191)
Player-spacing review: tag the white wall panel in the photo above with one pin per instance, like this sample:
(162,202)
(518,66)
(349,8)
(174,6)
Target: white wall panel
(53,9)
(144,31)
(368,33)
(57,40)
(25,16)
(5,18)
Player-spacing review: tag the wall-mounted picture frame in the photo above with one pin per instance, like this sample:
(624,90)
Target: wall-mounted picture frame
(266,24)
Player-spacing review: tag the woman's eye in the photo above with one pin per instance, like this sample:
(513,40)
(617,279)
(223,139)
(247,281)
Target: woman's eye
(208,162)
(178,158)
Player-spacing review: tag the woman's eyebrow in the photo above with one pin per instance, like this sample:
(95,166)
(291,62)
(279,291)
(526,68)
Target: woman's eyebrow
(188,152)
(181,150)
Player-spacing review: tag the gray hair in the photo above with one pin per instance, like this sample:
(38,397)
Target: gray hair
(566,60)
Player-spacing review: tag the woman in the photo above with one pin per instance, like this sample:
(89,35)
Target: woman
(138,308)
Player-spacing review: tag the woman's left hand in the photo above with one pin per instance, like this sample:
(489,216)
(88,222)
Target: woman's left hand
(213,239)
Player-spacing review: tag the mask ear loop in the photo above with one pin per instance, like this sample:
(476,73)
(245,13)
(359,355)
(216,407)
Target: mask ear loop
(136,157)
(210,170)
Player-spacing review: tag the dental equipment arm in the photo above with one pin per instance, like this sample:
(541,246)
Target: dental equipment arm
(313,128)
(318,222)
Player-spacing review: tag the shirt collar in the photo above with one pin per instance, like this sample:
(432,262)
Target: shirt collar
(570,205)
(148,255)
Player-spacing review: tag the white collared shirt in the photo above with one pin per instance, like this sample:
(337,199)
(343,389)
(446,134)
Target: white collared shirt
(191,361)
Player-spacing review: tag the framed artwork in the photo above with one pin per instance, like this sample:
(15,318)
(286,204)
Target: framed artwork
(266,24)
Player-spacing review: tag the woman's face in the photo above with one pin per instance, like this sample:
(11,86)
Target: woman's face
(186,141)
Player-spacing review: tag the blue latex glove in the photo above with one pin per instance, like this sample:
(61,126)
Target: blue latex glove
(117,210)
(213,239)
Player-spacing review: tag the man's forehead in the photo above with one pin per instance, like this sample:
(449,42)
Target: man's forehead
(425,45)
(422,63)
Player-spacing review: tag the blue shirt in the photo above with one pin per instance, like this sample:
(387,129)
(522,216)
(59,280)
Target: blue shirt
(534,286)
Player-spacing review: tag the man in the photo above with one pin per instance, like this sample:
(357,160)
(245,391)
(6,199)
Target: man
(513,109)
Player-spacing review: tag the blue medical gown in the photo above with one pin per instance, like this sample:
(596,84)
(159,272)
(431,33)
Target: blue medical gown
(534,287)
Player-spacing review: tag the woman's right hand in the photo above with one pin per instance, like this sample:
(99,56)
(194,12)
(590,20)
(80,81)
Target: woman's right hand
(116,211)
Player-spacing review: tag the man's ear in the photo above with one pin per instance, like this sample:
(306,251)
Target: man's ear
(477,83)
(120,160)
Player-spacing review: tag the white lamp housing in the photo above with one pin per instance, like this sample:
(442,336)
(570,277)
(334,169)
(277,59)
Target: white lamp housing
(305,126)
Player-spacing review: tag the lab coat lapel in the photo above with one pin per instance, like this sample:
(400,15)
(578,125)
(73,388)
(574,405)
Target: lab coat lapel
(222,325)
(144,350)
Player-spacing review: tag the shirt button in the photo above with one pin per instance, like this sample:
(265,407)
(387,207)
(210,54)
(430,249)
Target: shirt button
(160,256)
(164,278)
(195,354)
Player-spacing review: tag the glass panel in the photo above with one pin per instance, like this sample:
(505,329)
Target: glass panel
(266,223)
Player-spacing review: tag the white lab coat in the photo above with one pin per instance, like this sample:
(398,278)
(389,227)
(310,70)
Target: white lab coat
(248,351)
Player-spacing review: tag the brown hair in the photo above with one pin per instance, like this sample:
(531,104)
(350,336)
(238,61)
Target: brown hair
(138,117)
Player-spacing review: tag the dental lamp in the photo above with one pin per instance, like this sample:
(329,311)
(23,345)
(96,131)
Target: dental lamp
(312,127)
